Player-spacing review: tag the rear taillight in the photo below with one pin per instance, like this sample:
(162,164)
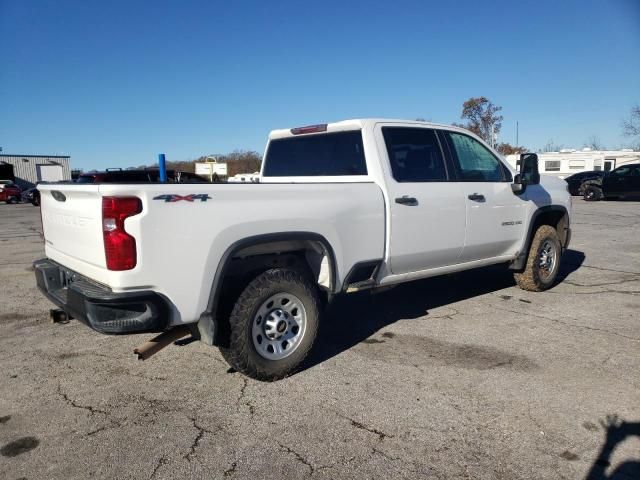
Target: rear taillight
(119,246)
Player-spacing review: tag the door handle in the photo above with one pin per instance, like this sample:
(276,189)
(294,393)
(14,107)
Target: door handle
(405,200)
(477,197)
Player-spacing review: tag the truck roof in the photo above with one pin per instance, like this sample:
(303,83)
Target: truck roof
(356,123)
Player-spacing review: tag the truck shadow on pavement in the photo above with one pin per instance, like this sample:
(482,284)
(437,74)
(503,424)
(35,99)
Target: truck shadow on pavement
(352,319)
(617,431)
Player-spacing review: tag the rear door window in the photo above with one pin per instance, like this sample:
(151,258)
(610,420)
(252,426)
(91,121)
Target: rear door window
(327,154)
(414,154)
(474,162)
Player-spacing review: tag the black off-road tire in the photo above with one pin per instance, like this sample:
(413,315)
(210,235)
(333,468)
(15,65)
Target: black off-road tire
(241,354)
(533,278)
(592,194)
(12,200)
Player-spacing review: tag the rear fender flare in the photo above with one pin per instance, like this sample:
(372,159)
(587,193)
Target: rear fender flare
(207,324)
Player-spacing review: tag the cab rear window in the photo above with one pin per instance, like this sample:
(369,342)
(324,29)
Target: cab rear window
(330,154)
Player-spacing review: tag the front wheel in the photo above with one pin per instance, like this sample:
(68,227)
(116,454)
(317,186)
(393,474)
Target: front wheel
(543,261)
(273,325)
(592,194)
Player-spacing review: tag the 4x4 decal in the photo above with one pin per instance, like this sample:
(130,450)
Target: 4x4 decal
(172,197)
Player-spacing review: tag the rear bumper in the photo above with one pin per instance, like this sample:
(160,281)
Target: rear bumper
(96,305)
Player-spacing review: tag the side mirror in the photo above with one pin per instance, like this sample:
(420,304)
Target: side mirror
(528,173)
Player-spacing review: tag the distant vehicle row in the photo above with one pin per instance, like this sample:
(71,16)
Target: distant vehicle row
(9,192)
(621,183)
(121,176)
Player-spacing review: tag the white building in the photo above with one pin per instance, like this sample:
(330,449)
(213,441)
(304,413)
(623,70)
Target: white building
(568,161)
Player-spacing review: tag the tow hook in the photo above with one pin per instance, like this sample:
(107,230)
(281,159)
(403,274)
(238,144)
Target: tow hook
(153,346)
(59,316)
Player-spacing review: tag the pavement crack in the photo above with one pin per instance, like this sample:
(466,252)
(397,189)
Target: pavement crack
(91,409)
(375,450)
(568,324)
(161,461)
(242,400)
(196,440)
(299,457)
(381,435)
(448,316)
(601,284)
(573,264)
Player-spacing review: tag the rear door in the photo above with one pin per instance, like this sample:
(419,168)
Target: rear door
(427,210)
(495,216)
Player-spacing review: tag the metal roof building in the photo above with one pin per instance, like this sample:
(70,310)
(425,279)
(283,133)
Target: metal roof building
(26,170)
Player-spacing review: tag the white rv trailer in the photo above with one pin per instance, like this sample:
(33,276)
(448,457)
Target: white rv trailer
(568,161)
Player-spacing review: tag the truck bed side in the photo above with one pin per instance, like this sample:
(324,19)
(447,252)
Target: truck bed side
(181,243)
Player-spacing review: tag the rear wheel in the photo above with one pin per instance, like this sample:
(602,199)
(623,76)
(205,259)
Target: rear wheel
(12,200)
(543,261)
(592,194)
(273,325)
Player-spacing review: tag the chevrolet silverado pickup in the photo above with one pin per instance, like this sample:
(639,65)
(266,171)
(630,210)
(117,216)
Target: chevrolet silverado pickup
(339,207)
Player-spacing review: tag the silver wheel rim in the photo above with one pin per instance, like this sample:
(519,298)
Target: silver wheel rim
(278,326)
(547,258)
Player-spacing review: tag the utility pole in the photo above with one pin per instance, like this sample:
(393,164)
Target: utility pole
(517,141)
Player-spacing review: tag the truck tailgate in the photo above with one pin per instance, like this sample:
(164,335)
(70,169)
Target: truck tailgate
(72,222)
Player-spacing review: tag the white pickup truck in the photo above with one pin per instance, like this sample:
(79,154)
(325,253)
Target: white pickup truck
(339,207)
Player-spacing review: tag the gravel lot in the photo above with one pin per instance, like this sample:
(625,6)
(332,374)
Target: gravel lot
(463,376)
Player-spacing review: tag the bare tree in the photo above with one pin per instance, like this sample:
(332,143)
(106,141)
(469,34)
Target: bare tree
(238,161)
(241,161)
(550,146)
(594,143)
(631,126)
(482,118)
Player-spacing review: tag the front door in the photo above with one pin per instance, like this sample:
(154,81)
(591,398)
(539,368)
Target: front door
(427,221)
(617,182)
(634,181)
(495,216)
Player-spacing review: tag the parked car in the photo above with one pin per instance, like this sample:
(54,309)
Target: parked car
(339,208)
(146,175)
(121,176)
(621,183)
(575,181)
(32,196)
(9,192)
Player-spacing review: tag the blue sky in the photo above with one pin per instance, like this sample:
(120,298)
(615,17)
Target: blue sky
(114,83)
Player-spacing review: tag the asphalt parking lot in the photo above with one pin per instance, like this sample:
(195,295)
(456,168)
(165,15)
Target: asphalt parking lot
(463,376)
